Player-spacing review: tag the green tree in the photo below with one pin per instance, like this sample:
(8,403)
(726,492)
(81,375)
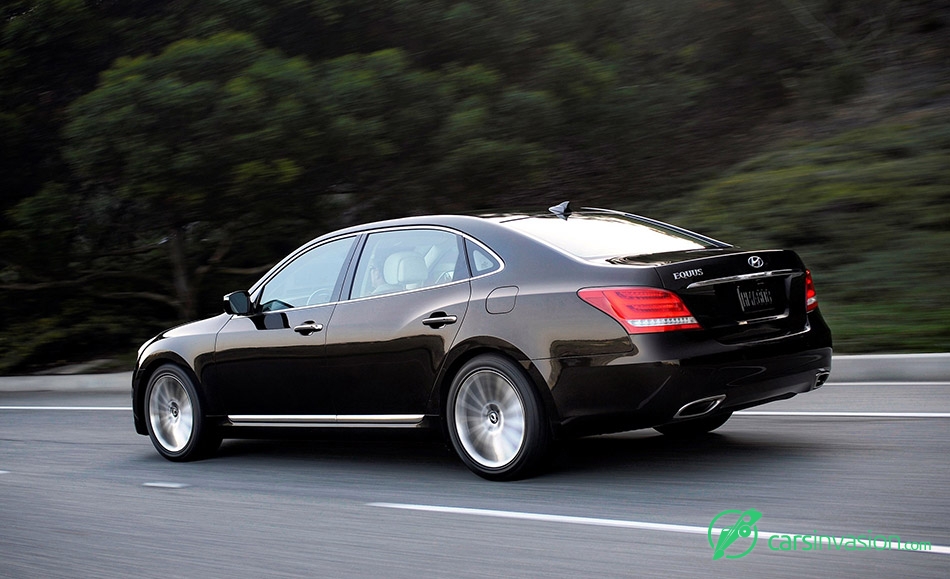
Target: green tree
(150,150)
(215,130)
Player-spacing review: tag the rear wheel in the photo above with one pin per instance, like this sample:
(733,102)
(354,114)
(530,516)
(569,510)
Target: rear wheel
(495,419)
(695,426)
(176,424)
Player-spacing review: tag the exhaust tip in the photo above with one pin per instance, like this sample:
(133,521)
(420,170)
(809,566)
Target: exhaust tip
(699,407)
(821,377)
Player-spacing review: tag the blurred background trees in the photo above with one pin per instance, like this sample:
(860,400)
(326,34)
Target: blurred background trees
(157,154)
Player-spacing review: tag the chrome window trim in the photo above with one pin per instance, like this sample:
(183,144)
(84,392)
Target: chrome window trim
(489,250)
(743,277)
(481,245)
(257,289)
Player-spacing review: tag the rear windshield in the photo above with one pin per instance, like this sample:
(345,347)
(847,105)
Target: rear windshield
(597,235)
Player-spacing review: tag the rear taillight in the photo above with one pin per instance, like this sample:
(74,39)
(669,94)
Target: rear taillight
(811,296)
(642,310)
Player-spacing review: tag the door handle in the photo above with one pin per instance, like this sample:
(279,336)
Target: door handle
(308,328)
(439,319)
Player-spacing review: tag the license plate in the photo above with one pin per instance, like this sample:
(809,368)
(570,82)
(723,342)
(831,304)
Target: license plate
(756,298)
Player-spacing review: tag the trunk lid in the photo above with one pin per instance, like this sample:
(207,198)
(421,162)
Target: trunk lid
(738,296)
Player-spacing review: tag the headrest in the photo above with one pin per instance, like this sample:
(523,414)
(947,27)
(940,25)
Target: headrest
(405,267)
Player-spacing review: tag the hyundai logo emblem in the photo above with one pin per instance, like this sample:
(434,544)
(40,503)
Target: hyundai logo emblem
(756,261)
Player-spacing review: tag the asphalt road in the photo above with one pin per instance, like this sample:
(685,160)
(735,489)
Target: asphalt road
(82,495)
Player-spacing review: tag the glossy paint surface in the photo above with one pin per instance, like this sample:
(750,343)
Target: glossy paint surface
(380,355)
(387,359)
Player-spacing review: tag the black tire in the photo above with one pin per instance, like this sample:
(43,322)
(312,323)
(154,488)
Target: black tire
(495,419)
(175,418)
(695,426)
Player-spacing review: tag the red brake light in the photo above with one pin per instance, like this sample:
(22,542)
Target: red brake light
(642,310)
(811,296)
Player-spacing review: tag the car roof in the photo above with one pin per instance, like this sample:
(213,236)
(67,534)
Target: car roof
(461,220)
(487,228)
(488,223)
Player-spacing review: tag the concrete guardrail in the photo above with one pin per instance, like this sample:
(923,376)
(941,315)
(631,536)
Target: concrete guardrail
(856,368)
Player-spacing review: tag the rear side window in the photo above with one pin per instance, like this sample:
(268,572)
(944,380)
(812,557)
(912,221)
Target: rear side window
(592,236)
(480,260)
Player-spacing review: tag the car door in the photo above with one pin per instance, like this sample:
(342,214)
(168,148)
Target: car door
(269,365)
(385,343)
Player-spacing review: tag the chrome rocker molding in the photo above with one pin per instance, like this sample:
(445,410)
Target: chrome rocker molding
(328,420)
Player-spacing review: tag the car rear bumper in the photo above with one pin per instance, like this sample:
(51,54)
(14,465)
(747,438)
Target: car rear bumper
(596,395)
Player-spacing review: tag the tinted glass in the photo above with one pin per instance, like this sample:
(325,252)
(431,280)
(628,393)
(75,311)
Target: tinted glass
(481,261)
(603,236)
(308,280)
(395,261)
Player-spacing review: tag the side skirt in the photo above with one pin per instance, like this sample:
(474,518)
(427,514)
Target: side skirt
(328,420)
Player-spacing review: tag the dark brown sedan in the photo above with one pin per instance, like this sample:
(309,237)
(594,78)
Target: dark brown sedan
(506,331)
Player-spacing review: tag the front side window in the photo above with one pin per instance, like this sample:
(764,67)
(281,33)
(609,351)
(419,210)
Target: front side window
(310,279)
(395,261)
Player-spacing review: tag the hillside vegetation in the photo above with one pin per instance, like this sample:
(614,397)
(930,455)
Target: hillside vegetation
(155,155)
(869,211)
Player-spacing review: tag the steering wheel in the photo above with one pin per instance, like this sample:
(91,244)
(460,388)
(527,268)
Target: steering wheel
(321,296)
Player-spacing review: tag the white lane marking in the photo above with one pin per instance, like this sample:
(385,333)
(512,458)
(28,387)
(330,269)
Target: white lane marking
(546,518)
(846,414)
(591,521)
(4,472)
(925,383)
(94,408)
(891,356)
(166,485)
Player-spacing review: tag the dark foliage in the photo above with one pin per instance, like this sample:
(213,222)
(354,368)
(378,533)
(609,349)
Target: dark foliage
(156,154)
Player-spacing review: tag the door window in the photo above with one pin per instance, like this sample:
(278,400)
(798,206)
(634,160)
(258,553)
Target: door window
(395,261)
(309,280)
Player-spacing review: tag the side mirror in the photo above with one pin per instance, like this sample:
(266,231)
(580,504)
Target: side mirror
(237,303)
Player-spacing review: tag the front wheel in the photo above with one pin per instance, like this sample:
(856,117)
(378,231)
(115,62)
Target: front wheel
(695,426)
(175,422)
(495,419)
